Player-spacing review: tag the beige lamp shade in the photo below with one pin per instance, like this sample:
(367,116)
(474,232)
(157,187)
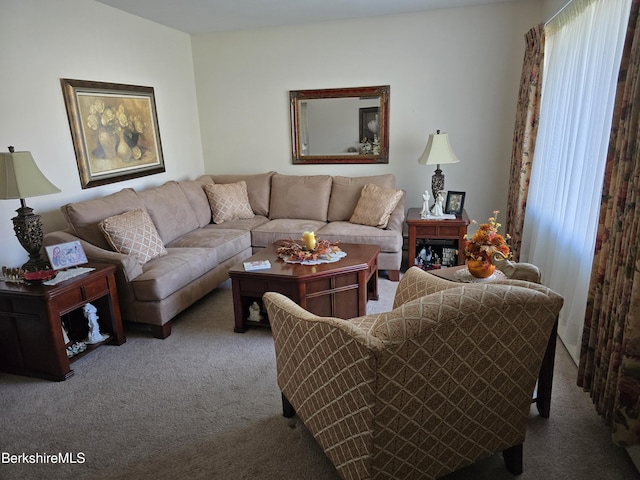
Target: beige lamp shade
(438,150)
(20,177)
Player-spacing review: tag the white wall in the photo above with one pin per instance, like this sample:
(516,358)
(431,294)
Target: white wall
(457,70)
(42,41)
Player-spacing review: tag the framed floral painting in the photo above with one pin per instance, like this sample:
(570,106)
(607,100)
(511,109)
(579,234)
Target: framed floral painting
(115,131)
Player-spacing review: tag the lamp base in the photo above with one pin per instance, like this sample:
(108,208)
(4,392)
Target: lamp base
(437,182)
(28,229)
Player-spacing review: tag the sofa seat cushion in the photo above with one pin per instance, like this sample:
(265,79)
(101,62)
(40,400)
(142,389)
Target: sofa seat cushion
(170,210)
(300,196)
(281,229)
(227,242)
(84,217)
(345,193)
(346,232)
(165,275)
(245,224)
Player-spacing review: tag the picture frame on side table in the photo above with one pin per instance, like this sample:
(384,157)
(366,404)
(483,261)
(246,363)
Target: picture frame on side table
(115,131)
(455,202)
(66,255)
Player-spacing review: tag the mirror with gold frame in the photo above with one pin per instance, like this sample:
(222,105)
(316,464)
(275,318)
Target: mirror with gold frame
(340,125)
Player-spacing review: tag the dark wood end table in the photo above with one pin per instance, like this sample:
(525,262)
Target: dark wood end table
(340,289)
(31,336)
(542,398)
(436,233)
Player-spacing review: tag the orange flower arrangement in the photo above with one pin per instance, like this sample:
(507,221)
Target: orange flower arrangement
(486,241)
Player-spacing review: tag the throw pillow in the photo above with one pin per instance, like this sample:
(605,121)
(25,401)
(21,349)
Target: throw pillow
(133,233)
(228,201)
(375,205)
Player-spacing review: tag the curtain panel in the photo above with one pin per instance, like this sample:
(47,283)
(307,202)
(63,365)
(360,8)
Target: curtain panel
(609,365)
(524,135)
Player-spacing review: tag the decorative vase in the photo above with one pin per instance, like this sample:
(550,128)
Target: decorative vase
(108,143)
(477,270)
(124,151)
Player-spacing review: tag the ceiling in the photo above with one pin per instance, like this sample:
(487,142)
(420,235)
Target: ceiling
(206,16)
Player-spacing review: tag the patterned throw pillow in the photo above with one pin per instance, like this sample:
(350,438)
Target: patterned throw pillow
(375,205)
(228,201)
(133,233)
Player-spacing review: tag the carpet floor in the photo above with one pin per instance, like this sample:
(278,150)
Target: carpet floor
(204,404)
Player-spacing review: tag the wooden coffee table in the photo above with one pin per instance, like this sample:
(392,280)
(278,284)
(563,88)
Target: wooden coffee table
(340,289)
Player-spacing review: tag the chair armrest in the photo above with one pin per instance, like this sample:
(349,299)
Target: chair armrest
(416,283)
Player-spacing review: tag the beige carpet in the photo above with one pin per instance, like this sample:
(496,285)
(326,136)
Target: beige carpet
(204,404)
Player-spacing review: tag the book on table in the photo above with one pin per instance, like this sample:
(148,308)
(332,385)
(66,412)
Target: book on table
(257,265)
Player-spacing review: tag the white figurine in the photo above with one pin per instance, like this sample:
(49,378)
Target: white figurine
(254,312)
(437,209)
(94,335)
(425,205)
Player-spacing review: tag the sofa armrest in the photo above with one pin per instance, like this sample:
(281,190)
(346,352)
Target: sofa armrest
(127,264)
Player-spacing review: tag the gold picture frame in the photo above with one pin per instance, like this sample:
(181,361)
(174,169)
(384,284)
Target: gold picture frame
(115,131)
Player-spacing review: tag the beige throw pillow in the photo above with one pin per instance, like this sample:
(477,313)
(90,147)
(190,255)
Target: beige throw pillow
(375,205)
(228,201)
(133,233)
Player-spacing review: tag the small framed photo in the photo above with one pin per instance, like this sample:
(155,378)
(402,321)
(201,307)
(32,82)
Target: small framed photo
(66,255)
(455,202)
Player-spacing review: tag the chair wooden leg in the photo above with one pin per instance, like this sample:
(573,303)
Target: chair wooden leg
(513,459)
(287,409)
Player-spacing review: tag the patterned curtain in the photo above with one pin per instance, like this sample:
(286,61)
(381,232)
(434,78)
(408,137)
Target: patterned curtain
(610,352)
(524,135)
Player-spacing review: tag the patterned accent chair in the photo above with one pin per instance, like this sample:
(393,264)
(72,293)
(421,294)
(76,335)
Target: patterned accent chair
(443,380)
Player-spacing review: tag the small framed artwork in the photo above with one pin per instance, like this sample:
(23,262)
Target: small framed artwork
(66,255)
(455,202)
(115,131)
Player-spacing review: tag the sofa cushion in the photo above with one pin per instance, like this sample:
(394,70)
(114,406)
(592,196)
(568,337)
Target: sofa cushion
(194,191)
(133,233)
(227,242)
(83,217)
(228,201)
(258,188)
(375,205)
(347,232)
(281,229)
(170,210)
(345,193)
(165,275)
(300,196)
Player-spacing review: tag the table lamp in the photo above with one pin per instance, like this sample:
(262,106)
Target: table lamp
(21,178)
(438,151)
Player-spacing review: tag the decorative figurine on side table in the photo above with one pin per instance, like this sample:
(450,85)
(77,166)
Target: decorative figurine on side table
(254,312)
(425,205)
(94,335)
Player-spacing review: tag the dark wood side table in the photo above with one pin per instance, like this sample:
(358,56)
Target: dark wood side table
(31,336)
(542,397)
(449,233)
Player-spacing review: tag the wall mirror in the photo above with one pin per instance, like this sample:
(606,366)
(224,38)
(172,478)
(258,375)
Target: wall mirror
(340,125)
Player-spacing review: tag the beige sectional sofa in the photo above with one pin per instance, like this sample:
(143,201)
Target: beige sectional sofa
(193,253)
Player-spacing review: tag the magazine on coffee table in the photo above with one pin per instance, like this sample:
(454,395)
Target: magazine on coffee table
(256,265)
